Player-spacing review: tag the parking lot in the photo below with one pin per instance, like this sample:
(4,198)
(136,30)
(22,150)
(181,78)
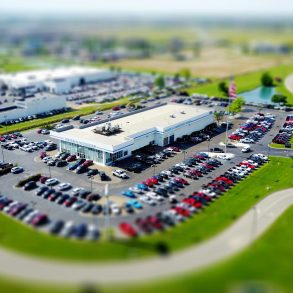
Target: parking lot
(32,164)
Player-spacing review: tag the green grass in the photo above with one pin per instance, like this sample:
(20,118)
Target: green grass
(212,220)
(266,264)
(267,261)
(249,81)
(56,118)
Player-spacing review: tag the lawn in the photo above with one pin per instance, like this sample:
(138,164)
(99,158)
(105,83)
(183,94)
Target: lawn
(266,266)
(267,261)
(249,81)
(56,118)
(212,220)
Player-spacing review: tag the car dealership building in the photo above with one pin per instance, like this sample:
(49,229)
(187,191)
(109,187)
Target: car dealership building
(109,142)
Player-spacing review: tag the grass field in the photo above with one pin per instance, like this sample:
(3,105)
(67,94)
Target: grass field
(212,62)
(56,118)
(266,264)
(212,220)
(248,82)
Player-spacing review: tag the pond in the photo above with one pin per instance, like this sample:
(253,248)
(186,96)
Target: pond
(260,95)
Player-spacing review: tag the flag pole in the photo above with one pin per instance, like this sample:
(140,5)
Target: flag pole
(227,116)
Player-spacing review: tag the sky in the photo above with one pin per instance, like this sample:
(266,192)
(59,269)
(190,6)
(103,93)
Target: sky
(148,7)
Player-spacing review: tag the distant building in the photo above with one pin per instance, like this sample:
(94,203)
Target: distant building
(106,143)
(56,81)
(32,106)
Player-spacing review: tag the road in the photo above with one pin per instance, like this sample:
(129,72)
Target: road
(231,241)
(289,83)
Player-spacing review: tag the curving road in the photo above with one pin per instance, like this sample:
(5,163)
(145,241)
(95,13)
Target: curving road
(238,236)
(289,83)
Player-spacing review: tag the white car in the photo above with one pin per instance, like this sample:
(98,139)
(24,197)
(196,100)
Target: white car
(224,157)
(64,186)
(17,170)
(147,200)
(47,159)
(115,209)
(51,181)
(120,174)
(246,149)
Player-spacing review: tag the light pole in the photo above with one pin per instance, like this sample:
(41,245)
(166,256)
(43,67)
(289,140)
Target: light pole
(154,168)
(2,150)
(91,179)
(209,141)
(184,154)
(107,212)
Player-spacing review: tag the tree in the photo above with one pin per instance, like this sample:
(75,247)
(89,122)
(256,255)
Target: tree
(185,72)
(218,115)
(280,99)
(160,81)
(223,88)
(236,105)
(267,80)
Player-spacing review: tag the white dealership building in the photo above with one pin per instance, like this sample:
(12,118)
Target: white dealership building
(158,126)
(56,81)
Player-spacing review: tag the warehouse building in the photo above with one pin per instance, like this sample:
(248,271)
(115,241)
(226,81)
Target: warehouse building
(32,106)
(56,81)
(106,143)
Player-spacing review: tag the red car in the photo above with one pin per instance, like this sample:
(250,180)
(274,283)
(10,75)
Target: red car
(87,163)
(248,165)
(116,108)
(39,219)
(192,202)
(43,179)
(2,139)
(127,229)
(71,200)
(234,137)
(154,180)
(181,180)
(148,183)
(143,225)
(181,211)
(224,179)
(39,131)
(43,155)
(155,222)
(71,158)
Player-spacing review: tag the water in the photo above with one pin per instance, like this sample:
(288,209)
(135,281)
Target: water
(260,95)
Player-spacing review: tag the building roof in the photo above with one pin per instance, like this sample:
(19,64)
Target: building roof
(25,78)
(159,119)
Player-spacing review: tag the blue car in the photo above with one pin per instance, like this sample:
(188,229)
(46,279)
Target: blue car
(72,166)
(80,230)
(142,186)
(129,193)
(134,204)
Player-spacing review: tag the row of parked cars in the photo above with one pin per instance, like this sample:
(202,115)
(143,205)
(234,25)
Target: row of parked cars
(254,128)
(37,116)
(10,136)
(167,183)
(22,212)
(187,206)
(285,133)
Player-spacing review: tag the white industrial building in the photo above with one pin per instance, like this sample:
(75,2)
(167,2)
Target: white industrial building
(159,126)
(32,106)
(56,81)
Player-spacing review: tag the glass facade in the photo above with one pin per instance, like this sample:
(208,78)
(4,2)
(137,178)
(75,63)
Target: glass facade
(82,151)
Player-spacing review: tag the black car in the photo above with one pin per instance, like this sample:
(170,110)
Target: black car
(96,209)
(92,172)
(216,150)
(61,163)
(30,185)
(80,230)
(41,190)
(87,208)
(62,198)
(57,227)
(136,168)
(103,176)
(81,169)
(84,193)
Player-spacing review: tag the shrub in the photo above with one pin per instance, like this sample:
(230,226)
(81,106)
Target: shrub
(35,178)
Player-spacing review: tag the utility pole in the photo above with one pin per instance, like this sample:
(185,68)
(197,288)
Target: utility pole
(107,214)
(184,154)
(154,168)
(2,150)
